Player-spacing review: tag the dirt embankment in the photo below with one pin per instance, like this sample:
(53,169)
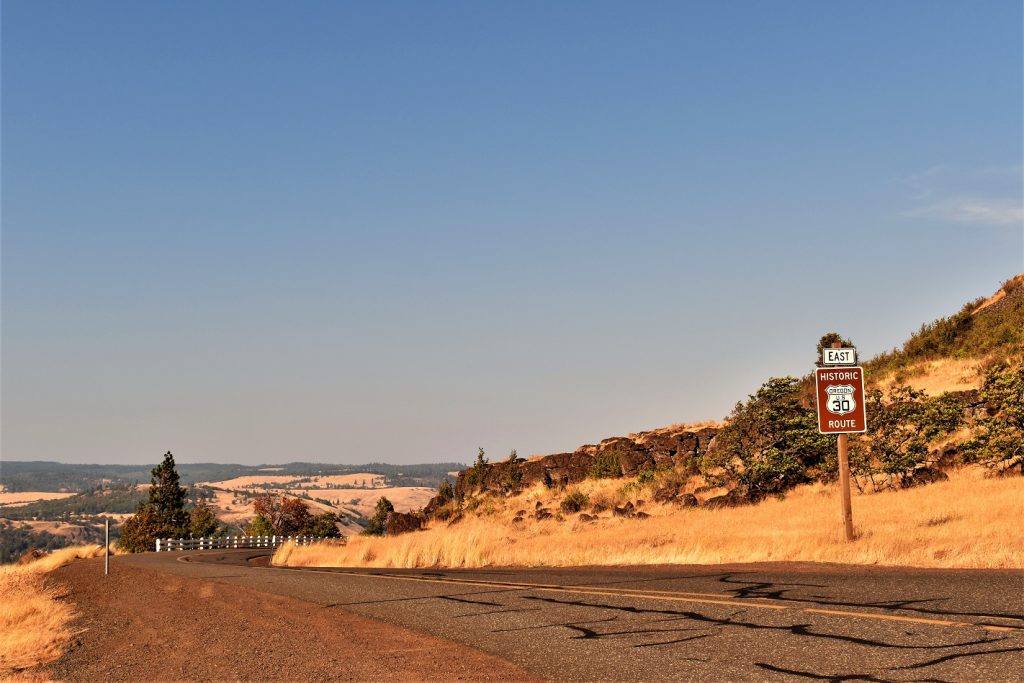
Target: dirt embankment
(138,624)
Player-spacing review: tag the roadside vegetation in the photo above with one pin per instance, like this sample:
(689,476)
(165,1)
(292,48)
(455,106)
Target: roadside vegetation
(990,328)
(916,527)
(33,617)
(164,514)
(288,516)
(764,487)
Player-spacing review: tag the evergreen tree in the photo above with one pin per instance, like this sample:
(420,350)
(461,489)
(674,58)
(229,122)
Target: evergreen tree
(167,496)
(380,517)
(162,516)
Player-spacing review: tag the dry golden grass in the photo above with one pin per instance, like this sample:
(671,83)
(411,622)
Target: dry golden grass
(968,521)
(293,481)
(404,498)
(33,619)
(936,377)
(26,497)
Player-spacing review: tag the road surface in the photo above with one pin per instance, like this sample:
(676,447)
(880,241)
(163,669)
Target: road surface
(782,621)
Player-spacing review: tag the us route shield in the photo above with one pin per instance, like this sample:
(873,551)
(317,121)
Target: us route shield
(841,400)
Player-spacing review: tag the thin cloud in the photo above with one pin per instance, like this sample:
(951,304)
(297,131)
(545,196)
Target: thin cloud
(982,196)
(983,210)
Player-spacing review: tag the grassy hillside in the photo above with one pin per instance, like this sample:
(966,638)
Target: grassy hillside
(916,528)
(987,328)
(761,488)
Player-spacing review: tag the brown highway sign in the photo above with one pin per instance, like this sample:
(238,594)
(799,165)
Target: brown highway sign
(841,400)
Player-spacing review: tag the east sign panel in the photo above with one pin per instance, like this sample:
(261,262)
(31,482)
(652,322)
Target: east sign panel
(841,400)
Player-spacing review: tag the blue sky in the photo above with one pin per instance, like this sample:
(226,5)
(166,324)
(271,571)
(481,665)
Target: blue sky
(344,232)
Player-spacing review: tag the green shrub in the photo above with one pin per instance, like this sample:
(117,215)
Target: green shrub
(575,501)
(997,330)
(512,479)
(771,443)
(378,522)
(646,476)
(605,466)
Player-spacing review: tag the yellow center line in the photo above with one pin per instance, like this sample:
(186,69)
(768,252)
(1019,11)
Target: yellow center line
(546,587)
(671,596)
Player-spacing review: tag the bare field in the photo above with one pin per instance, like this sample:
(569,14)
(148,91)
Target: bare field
(68,530)
(404,498)
(969,521)
(26,497)
(33,618)
(250,481)
(366,479)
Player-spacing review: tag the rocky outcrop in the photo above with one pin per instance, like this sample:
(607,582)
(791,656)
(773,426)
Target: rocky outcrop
(401,523)
(634,454)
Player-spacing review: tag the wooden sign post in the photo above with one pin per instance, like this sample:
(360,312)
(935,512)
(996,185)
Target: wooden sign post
(840,389)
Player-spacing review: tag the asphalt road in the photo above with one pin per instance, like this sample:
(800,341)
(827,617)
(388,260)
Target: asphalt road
(737,622)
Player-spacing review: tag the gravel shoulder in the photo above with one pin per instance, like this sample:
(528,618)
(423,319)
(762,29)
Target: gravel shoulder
(141,624)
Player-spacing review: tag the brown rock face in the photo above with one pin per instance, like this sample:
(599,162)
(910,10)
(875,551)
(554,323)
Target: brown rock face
(402,522)
(636,453)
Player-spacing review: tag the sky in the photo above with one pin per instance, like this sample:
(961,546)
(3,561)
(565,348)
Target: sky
(348,232)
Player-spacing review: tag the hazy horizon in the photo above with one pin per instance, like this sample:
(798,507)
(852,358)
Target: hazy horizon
(359,233)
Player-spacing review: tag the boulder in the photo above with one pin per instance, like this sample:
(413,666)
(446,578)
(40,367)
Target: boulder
(627,511)
(667,492)
(922,476)
(541,514)
(687,500)
(729,500)
(584,517)
(31,555)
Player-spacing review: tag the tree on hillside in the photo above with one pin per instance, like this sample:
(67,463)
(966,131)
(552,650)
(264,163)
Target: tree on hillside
(903,425)
(827,340)
(259,526)
(163,515)
(770,442)
(445,492)
(167,496)
(324,525)
(1000,439)
(202,522)
(379,520)
(478,471)
(286,515)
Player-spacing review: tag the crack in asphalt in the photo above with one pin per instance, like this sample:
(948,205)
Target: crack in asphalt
(795,629)
(777,591)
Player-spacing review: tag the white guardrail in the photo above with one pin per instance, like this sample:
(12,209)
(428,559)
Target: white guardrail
(227,542)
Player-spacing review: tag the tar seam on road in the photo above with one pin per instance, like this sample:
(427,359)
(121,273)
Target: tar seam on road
(639,593)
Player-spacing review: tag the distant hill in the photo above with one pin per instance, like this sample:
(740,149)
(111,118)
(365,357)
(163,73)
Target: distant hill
(16,476)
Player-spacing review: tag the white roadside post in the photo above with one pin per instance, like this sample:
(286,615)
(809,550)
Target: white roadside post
(106,547)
